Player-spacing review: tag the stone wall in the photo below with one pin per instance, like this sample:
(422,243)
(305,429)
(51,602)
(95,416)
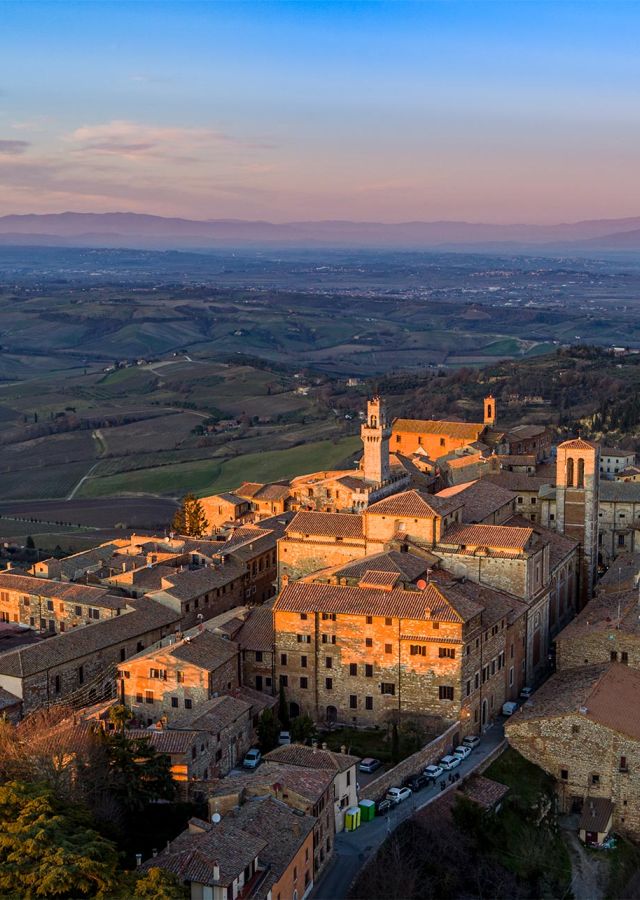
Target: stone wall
(430,753)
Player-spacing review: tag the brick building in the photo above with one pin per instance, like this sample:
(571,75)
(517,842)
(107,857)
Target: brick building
(256,641)
(221,509)
(177,676)
(607,630)
(583,728)
(228,724)
(188,751)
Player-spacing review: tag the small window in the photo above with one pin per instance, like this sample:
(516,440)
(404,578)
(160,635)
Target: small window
(564,774)
(368,670)
(624,657)
(328,662)
(595,779)
(368,642)
(446,652)
(388,648)
(623,764)
(304,616)
(445,692)
(353,668)
(303,662)
(369,620)
(148,697)
(258,655)
(388,621)
(368,702)
(417,650)
(388,688)
(353,701)
(328,683)
(304,682)
(284,681)
(174,702)
(283,659)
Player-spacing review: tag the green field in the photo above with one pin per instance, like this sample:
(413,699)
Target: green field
(211,476)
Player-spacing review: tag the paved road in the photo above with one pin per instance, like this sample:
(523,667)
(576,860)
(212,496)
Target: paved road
(353,849)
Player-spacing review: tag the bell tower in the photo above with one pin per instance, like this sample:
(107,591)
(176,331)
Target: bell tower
(577,482)
(490,411)
(376,434)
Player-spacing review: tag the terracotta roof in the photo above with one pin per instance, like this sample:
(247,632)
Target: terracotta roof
(254,491)
(468,459)
(345,525)
(205,650)
(431,604)
(619,491)
(191,583)
(191,856)
(63,648)
(310,784)
(615,451)
(213,715)
(560,546)
(596,814)
(606,613)
(577,444)
(480,498)
(518,482)
(464,430)
(61,590)
(408,566)
(414,503)
(312,758)
(606,694)
(171,742)
(225,496)
(374,579)
(500,536)
(484,791)
(257,631)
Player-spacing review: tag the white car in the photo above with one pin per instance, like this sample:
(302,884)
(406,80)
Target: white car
(472,740)
(525,693)
(433,772)
(462,751)
(253,759)
(284,738)
(397,795)
(450,762)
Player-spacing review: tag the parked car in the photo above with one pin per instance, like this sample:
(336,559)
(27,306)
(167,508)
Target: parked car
(285,738)
(450,762)
(462,751)
(509,708)
(253,759)
(397,795)
(525,693)
(472,740)
(416,782)
(369,764)
(432,773)
(383,806)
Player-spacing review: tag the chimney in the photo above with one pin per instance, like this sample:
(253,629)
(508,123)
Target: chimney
(216,870)
(324,745)
(343,749)
(138,860)
(284,580)
(314,746)
(154,852)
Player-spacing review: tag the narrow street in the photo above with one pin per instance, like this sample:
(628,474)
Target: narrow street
(354,848)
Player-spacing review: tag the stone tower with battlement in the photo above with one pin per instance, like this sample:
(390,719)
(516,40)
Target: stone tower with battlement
(376,434)
(490,411)
(577,481)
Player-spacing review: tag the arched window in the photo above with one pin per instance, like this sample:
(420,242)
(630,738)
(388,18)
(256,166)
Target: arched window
(580,481)
(488,411)
(570,472)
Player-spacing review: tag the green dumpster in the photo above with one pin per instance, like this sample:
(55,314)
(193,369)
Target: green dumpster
(352,818)
(367,810)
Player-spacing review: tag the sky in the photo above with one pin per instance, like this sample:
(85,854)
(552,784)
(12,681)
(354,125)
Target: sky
(381,111)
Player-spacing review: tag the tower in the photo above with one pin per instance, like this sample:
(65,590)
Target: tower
(376,435)
(490,411)
(577,481)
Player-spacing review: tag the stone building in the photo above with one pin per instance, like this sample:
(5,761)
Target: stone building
(173,678)
(577,483)
(613,460)
(618,519)
(256,641)
(188,752)
(607,630)
(221,509)
(583,728)
(227,723)
(266,500)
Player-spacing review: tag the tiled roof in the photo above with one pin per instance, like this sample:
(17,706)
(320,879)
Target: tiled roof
(226,497)
(257,631)
(191,856)
(619,491)
(606,694)
(414,503)
(345,525)
(430,604)
(468,459)
(312,758)
(464,430)
(254,491)
(615,451)
(519,482)
(64,648)
(577,444)
(596,814)
(480,498)
(408,566)
(484,791)
(373,578)
(495,604)
(213,715)
(205,650)
(191,583)
(560,546)
(500,536)
(311,784)
(171,742)
(606,613)
(61,590)
(525,432)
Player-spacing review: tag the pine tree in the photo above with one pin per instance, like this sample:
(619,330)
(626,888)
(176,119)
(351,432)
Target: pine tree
(190,518)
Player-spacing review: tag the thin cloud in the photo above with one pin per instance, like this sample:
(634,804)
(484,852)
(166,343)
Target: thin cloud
(132,140)
(14,148)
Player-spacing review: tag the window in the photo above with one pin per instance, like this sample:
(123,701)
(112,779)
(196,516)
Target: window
(446,652)
(303,616)
(179,677)
(304,682)
(435,625)
(442,442)
(368,642)
(388,688)
(388,648)
(258,655)
(595,779)
(80,674)
(369,620)
(564,774)
(50,605)
(624,657)
(158,673)
(304,638)
(188,703)
(78,610)
(520,499)
(328,683)
(353,668)
(368,670)
(445,692)
(330,616)
(328,662)
(57,684)
(139,698)
(283,659)
(388,621)
(353,701)
(614,656)
(580,479)
(575,729)
(123,654)
(148,696)
(174,702)
(368,702)
(284,681)
(623,764)
(620,540)
(328,638)
(468,687)
(303,662)
(417,650)
(569,472)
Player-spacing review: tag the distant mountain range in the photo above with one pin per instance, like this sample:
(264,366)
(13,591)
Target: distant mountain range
(157,232)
